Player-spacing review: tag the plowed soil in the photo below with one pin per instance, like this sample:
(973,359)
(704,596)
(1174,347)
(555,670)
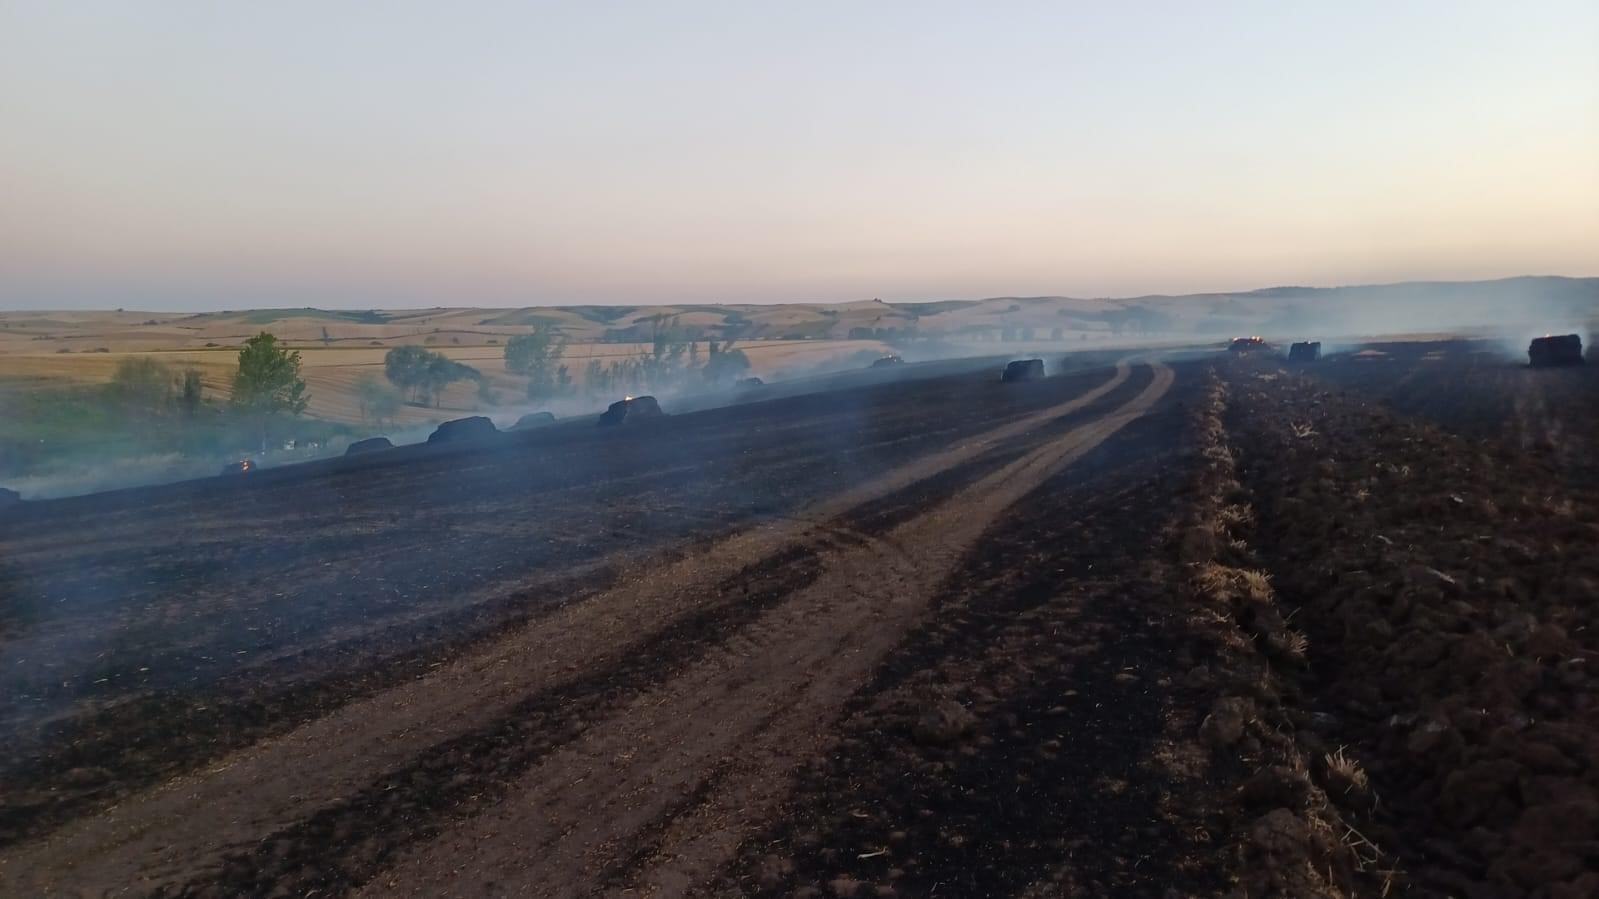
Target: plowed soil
(1448,584)
(1482,390)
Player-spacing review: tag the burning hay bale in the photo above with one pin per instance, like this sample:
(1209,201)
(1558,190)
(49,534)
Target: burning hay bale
(1246,344)
(369,445)
(464,430)
(243,466)
(888,362)
(1305,351)
(1562,349)
(1023,370)
(534,420)
(630,410)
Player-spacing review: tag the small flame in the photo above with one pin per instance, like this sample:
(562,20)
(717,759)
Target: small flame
(627,399)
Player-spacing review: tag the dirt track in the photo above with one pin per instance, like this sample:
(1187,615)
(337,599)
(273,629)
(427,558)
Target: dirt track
(635,735)
(728,730)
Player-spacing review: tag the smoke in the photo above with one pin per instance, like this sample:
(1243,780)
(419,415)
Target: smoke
(112,473)
(1506,314)
(1510,312)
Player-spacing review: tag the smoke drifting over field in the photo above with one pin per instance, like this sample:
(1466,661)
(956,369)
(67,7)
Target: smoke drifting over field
(1512,311)
(1509,313)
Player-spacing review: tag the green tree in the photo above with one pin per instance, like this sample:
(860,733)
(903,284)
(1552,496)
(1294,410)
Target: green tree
(406,368)
(190,390)
(725,363)
(442,371)
(385,407)
(367,391)
(596,380)
(536,355)
(142,383)
(424,374)
(664,363)
(268,381)
(486,393)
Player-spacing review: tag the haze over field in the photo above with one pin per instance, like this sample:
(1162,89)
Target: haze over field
(183,156)
(762,450)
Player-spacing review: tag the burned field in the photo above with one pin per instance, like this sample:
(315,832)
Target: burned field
(1216,626)
(1446,583)
(1482,389)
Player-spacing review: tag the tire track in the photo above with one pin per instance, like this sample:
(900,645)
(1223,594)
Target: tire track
(184,831)
(733,726)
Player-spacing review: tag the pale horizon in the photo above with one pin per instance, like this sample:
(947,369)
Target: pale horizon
(908,300)
(184,157)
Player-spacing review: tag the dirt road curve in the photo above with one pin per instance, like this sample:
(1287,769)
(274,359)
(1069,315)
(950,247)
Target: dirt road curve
(630,741)
(726,731)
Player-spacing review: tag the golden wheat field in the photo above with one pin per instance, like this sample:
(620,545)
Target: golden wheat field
(332,374)
(340,348)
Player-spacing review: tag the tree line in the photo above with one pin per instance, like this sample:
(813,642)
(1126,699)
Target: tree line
(151,407)
(673,359)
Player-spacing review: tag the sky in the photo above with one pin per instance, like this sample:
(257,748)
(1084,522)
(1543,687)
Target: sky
(197,155)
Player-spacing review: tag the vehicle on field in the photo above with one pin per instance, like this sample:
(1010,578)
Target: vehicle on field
(888,361)
(1550,350)
(1305,351)
(1023,370)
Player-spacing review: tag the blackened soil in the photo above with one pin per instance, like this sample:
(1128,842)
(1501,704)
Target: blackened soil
(340,848)
(224,611)
(1483,390)
(1061,639)
(1449,587)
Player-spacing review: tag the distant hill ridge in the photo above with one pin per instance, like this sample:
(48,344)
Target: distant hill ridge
(1560,302)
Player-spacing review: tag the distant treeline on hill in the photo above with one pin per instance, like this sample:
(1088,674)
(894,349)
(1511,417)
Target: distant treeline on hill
(1391,308)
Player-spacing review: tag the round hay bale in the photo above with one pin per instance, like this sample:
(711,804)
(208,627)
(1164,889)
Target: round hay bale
(369,445)
(631,410)
(534,420)
(1563,349)
(464,430)
(1305,351)
(1023,370)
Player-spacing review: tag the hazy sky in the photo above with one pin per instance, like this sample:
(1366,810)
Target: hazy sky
(181,155)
